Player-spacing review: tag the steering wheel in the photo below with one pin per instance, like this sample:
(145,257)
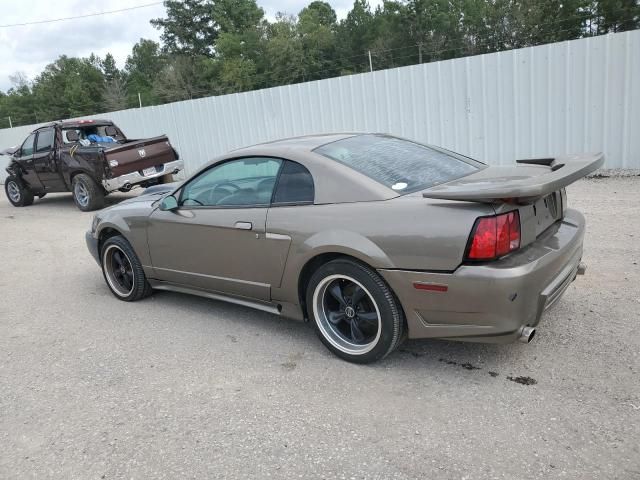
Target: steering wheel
(227,184)
(193,200)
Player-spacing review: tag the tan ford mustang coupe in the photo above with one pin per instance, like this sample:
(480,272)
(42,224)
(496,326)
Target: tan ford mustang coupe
(370,237)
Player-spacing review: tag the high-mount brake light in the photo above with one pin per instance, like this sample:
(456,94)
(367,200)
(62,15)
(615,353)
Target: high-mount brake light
(494,237)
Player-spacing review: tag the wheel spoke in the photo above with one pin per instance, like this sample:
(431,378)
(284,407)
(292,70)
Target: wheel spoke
(336,292)
(118,258)
(336,317)
(356,333)
(126,281)
(358,295)
(368,317)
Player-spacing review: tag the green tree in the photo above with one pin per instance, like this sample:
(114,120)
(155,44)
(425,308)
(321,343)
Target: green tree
(189,27)
(616,15)
(355,36)
(183,78)
(69,87)
(316,29)
(142,68)
(192,27)
(284,51)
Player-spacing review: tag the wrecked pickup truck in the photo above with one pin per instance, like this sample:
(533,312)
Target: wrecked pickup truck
(90,158)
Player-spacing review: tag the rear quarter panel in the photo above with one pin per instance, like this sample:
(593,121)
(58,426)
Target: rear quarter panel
(408,233)
(73,160)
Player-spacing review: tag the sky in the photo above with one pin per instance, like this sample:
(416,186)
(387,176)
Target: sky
(28,49)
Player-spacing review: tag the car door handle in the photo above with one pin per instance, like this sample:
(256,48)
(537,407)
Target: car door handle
(244,225)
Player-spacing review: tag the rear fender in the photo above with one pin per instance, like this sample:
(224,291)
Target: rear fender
(73,162)
(338,242)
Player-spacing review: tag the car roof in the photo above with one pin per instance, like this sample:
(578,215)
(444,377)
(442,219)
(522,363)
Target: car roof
(305,143)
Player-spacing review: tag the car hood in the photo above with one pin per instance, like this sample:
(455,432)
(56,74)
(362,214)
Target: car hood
(147,200)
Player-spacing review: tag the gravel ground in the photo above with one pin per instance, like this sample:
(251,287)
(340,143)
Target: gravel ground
(183,387)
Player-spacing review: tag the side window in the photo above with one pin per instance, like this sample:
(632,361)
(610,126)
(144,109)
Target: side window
(45,140)
(242,182)
(27,146)
(295,185)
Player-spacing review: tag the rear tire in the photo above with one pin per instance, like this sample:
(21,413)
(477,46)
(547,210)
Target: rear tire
(87,194)
(355,313)
(18,194)
(123,271)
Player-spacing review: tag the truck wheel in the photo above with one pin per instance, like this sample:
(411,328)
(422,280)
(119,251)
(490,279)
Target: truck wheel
(18,194)
(168,178)
(87,194)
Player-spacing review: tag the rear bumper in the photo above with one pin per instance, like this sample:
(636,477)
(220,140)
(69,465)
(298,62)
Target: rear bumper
(492,302)
(136,178)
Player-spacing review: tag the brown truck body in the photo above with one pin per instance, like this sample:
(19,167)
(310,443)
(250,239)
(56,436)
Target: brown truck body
(52,155)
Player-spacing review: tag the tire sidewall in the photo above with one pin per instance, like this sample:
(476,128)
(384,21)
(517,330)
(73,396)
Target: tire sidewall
(390,315)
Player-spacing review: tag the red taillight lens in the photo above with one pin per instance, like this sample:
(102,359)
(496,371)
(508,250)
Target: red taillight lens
(494,237)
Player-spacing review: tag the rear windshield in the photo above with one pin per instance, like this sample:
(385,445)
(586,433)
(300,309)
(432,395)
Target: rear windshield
(401,165)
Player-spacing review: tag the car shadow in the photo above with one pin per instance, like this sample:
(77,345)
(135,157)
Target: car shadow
(431,355)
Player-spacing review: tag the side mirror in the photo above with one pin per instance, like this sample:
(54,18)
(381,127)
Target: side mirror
(72,135)
(169,204)
(110,131)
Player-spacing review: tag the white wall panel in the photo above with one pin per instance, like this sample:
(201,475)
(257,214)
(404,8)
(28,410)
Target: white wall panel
(578,96)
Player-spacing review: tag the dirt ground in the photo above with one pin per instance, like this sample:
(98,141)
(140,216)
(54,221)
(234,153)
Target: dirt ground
(183,387)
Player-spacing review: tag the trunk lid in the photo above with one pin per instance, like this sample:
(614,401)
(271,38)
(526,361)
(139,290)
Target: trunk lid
(524,183)
(137,155)
(536,187)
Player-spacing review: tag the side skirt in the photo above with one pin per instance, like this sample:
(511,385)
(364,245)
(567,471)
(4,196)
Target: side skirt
(246,302)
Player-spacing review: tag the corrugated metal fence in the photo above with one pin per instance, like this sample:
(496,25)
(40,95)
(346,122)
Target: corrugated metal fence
(569,97)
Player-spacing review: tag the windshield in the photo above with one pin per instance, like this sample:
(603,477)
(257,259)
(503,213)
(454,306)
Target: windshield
(401,165)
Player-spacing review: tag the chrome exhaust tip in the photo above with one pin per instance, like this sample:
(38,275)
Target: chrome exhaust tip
(527,334)
(582,267)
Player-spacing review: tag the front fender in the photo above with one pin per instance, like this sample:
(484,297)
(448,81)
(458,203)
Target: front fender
(133,230)
(14,169)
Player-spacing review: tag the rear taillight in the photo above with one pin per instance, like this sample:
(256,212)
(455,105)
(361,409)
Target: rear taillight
(494,237)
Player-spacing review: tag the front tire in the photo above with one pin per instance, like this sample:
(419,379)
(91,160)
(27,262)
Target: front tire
(123,271)
(87,194)
(355,313)
(18,194)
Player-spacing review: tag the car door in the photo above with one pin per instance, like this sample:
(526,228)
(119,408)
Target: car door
(215,240)
(44,162)
(25,160)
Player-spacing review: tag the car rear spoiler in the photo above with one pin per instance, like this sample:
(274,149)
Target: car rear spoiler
(526,182)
